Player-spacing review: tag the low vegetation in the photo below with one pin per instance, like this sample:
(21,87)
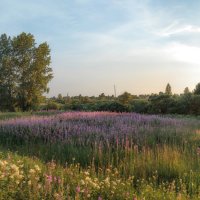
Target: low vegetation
(99,155)
(187,103)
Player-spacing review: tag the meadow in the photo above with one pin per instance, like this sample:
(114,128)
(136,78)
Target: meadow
(99,155)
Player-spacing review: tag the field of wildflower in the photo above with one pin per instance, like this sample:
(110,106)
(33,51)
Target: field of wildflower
(99,155)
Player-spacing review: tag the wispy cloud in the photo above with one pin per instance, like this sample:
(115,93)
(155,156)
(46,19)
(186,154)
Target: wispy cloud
(175,29)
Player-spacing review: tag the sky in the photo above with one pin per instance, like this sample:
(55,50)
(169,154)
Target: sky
(137,45)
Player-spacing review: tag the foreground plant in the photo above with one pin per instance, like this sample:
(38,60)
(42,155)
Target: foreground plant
(25,178)
(22,179)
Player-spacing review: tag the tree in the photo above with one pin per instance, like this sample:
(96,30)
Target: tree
(125,98)
(197,89)
(60,96)
(102,96)
(8,75)
(168,89)
(161,103)
(194,105)
(186,91)
(27,69)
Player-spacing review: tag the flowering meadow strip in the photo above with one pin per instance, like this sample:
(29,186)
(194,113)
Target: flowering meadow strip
(90,126)
(102,138)
(25,178)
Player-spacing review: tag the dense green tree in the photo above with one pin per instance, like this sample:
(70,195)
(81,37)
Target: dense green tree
(194,105)
(168,89)
(26,70)
(113,106)
(184,103)
(140,105)
(197,89)
(160,103)
(125,98)
(8,74)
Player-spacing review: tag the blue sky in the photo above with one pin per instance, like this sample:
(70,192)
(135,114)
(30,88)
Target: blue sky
(138,45)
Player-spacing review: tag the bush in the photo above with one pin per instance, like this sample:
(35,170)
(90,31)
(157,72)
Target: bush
(140,106)
(114,107)
(52,106)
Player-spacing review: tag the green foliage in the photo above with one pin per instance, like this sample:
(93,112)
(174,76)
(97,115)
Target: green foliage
(9,115)
(52,106)
(8,75)
(161,103)
(197,89)
(195,105)
(13,115)
(125,98)
(25,72)
(102,96)
(140,106)
(113,107)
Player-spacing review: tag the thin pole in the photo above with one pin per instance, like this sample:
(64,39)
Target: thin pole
(115,91)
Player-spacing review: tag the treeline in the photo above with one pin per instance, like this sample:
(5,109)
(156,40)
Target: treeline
(25,73)
(162,103)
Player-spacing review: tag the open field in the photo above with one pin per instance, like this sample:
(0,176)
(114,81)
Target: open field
(11,115)
(99,155)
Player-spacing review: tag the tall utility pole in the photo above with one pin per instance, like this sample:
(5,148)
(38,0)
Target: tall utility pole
(115,91)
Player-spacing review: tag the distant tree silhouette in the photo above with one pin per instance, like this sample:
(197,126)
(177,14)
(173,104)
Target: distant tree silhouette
(186,90)
(168,89)
(197,89)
